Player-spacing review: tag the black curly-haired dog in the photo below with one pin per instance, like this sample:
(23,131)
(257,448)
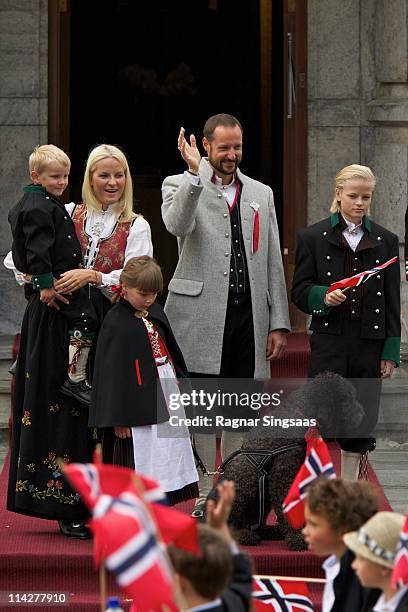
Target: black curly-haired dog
(265,466)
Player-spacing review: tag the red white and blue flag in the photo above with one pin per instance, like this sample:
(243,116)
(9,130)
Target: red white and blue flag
(280,595)
(400,571)
(361,277)
(317,463)
(130,531)
(95,480)
(129,544)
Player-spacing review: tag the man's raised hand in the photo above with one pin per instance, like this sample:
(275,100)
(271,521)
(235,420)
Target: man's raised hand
(189,152)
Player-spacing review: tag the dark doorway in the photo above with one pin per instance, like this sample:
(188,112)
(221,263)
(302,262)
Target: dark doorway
(140,70)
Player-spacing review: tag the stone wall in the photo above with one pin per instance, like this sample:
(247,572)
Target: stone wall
(358,105)
(23,123)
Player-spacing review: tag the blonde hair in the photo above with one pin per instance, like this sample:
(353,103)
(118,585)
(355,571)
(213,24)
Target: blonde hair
(142,273)
(97,154)
(355,171)
(44,155)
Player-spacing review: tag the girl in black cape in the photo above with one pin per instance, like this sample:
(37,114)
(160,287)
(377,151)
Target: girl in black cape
(137,361)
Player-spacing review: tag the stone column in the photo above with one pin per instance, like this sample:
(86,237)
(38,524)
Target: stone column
(385,135)
(334,92)
(23,124)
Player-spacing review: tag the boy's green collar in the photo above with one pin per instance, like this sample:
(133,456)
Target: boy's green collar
(34,189)
(335,220)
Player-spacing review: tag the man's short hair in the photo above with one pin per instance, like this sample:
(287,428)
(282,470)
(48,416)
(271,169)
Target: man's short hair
(210,572)
(222,119)
(44,155)
(345,504)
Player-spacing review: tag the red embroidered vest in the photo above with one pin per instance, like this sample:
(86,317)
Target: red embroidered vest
(110,251)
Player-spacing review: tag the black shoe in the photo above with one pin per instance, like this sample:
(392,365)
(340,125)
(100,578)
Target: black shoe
(81,391)
(74,530)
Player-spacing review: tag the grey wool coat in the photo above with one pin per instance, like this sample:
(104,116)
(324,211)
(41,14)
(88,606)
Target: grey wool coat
(198,292)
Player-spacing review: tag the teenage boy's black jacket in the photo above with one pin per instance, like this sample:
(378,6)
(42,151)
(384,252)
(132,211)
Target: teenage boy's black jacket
(125,389)
(44,239)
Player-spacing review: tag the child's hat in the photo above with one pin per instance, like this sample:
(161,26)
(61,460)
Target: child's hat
(378,538)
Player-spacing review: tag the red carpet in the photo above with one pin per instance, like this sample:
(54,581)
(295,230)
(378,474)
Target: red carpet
(35,557)
(295,361)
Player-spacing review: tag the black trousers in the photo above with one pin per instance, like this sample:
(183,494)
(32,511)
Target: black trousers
(353,358)
(238,345)
(238,355)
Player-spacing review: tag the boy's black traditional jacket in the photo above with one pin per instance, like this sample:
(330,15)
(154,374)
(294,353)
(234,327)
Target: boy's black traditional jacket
(125,387)
(44,240)
(320,261)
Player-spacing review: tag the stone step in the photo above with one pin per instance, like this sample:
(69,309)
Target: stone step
(5,376)
(4,410)
(6,355)
(397,505)
(391,456)
(391,477)
(6,346)
(393,415)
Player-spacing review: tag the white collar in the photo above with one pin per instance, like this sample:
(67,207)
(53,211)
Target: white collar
(352,227)
(207,606)
(389,605)
(330,562)
(113,209)
(218,182)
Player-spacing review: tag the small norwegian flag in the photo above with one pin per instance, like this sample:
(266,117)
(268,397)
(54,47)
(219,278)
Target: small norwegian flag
(317,463)
(95,480)
(128,544)
(361,277)
(280,595)
(131,526)
(255,230)
(400,571)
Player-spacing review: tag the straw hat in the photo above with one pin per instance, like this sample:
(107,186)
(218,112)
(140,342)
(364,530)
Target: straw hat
(378,538)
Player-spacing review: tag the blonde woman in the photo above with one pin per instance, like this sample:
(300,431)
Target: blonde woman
(110,233)
(356,333)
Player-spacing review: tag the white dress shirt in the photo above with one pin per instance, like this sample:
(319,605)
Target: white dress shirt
(331,567)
